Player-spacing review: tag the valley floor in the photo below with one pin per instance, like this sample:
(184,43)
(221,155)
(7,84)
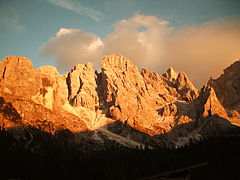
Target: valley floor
(49,158)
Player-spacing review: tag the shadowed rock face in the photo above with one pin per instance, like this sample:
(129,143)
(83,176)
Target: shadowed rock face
(86,100)
(210,104)
(227,88)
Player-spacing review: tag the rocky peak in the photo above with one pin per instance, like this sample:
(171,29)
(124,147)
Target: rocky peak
(49,70)
(119,73)
(11,66)
(117,62)
(16,75)
(171,74)
(182,84)
(144,100)
(185,87)
(134,97)
(82,86)
(23,62)
(210,104)
(227,86)
(233,69)
(160,85)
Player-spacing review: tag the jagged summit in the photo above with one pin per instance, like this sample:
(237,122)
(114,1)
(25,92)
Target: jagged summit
(227,86)
(116,61)
(233,68)
(83,99)
(211,104)
(171,74)
(15,59)
(181,82)
(48,70)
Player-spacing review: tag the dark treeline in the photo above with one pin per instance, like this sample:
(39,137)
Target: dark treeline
(53,157)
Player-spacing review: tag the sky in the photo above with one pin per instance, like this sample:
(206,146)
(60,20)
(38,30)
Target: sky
(198,37)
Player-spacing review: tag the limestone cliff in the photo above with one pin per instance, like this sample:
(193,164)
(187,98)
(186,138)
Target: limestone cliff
(83,99)
(227,88)
(210,104)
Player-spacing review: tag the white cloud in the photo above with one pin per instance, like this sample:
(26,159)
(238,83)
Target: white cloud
(64,31)
(139,38)
(95,45)
(72,46)
(199,50)
(203,50)
(77,7)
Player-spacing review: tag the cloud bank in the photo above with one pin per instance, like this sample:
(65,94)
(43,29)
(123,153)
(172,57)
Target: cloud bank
(77,7)
(204,50)
(199,50)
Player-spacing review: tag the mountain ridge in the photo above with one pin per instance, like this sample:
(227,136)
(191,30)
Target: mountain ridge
(85,100)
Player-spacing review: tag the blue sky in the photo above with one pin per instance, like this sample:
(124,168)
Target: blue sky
(25,25)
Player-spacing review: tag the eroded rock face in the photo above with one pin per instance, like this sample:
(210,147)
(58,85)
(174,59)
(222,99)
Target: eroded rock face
(82,87)
(138,96)
(18,77)
(124,88)
(182,84)
(64,101)
(227,86)
(53,90)
(29,113)
(86,100)
(37,95)
(43,86)
(210,104)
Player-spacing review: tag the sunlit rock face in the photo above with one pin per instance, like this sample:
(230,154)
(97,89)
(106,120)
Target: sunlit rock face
(135,97)
(37,95)
(43,86)
(183,85)
(54,86)
(130,98)
(84,99)
(210,104)
(18,77)
(72,96)
(82,87)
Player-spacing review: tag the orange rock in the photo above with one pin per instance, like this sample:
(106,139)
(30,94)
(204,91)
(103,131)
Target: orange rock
(85,100)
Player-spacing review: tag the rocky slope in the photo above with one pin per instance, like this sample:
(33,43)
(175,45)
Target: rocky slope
(122,103)
(227,88)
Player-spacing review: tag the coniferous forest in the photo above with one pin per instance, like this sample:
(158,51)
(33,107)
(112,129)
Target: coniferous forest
(53,157)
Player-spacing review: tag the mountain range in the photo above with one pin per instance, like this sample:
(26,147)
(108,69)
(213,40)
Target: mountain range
(121,104)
